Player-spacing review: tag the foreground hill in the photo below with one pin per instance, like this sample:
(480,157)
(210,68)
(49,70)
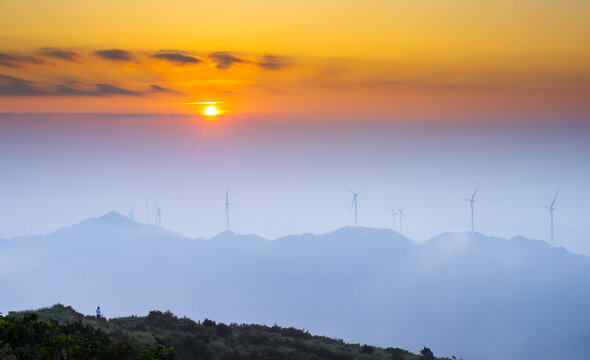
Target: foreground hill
(469,295)
(165,336)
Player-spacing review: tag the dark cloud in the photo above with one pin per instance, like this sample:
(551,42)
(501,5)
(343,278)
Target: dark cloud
(273,62)
(115,55)
(99,90)
(18,60)
(157,88)
(11,86)
(178,58)
(59,54)
(106,89)
(224,60)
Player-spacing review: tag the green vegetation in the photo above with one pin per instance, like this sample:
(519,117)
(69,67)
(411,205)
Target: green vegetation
(61,333)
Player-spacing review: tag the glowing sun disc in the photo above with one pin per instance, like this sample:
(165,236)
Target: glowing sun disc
(211,111)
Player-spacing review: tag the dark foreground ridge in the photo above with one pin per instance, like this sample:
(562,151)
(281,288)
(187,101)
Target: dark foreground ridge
(60,332)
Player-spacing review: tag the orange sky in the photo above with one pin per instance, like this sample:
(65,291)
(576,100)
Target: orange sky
(372,60)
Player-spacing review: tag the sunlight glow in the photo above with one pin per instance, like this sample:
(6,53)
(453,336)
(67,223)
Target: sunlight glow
(211,111)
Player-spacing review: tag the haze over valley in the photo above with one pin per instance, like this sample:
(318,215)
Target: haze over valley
(467,295)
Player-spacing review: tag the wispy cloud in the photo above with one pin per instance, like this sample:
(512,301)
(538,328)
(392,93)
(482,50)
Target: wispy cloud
(177,58)
(224,60)
(273,62)
(98,90)
(19,60)
(115,55)
(12,86)
(160,89)
(59,54)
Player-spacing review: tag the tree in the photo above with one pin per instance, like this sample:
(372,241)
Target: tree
(366,349)
(427,354)
(158,352)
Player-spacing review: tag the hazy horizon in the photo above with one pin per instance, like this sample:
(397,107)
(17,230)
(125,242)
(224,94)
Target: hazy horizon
(287,178)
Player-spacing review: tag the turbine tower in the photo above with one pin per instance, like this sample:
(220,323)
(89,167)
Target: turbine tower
(147,210)
(392,213)
(402,215)
(551,208)
(227,204)
(354,205)
(471,202)
(158,217)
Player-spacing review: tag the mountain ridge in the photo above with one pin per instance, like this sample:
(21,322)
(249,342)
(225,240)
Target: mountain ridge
(124,225)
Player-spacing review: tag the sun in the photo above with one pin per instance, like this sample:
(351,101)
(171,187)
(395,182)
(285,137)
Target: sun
(211,111)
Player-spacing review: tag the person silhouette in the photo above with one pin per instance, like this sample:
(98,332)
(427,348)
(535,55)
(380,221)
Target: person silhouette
(98,314)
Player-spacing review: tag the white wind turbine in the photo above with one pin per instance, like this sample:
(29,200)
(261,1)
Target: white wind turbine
(227,204)
(147,210)
(354,205)
(131,216)
(551,208)
(158,215)
(130,213)
(471,203)
(392,213)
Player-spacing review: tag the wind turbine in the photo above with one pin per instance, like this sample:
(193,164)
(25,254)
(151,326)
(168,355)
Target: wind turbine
(158,217)
(551,208)
(131,216)
(147,210)
(355,205)
(130,213)
(392,213)
(227,204)
(402,215)
(471,202)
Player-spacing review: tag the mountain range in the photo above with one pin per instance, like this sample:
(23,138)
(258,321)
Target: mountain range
(463,294)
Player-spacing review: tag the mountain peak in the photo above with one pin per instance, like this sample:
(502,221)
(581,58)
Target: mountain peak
(231,236)
(113,217)
(113,225)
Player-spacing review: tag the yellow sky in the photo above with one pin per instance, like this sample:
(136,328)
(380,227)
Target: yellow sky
(340,28)
(421,45)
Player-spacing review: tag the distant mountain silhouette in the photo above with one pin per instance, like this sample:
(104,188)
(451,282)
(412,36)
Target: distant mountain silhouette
(112,224)
(463,294)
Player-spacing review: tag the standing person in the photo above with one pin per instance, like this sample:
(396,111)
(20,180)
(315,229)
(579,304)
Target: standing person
(98,314)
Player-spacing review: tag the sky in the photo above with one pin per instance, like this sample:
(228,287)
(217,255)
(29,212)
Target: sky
(380,60)
(102,104)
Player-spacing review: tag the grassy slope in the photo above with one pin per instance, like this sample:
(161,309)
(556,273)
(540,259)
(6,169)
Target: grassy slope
(210,340)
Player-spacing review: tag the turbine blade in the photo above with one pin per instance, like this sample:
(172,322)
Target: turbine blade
(555,198)
(389,205)
(349,189)
(406,204)
(475,192)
